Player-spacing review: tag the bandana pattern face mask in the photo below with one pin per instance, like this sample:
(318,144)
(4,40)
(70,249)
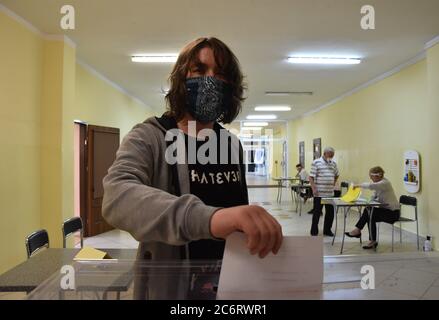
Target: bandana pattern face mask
(207,98)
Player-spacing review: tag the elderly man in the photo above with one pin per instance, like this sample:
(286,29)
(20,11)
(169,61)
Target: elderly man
(323,177)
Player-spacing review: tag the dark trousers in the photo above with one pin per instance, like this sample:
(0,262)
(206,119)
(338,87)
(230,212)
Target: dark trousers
(317,211)
(378,215)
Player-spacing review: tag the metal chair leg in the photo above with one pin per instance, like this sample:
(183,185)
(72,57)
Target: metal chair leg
(393,232)
(378,232)
(400,232)
(281,191)
(417,234)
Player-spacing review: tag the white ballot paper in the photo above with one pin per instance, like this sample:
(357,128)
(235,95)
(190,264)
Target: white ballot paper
(296,272)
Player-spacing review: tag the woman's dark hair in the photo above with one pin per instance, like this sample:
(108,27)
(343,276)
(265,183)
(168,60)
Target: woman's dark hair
(298,165)
(227,66)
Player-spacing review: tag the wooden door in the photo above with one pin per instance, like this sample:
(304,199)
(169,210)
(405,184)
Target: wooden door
(102,144)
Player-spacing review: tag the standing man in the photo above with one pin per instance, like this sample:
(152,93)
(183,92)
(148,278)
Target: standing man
(323,177)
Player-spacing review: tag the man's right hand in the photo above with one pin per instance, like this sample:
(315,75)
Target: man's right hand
(264,233)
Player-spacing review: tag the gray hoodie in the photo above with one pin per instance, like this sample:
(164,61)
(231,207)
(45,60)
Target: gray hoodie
(139,196)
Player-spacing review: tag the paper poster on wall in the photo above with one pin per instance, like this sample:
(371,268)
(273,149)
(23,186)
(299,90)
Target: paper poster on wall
(302,153)
(317,148)
(412,172)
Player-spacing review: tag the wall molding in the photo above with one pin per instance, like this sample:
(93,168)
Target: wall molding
(70,42)
(111,83)
(365,85)
(20,20)
(417,58)
(59,37)
(432,42)
(32,28)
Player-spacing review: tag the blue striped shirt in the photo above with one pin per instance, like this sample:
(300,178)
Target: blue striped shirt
(324,174)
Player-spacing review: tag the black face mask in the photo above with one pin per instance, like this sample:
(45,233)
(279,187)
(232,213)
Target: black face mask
(207,98)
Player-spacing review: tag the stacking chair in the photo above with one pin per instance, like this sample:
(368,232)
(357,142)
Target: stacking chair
(36,241)
(410,202)
(71,226)
(345,185)
(404,201)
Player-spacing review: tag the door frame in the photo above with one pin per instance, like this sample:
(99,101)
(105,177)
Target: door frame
(82,147)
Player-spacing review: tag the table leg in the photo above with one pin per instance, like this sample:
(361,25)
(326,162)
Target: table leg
(361,240)
(292,196)
(336,222)
(345,212)
(370,223)
(281,191)
(297,200)
(300,203)
(278,191)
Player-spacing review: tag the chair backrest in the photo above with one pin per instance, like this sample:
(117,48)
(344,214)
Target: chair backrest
(36,241)
(71,226)
(344,184)
(410,201)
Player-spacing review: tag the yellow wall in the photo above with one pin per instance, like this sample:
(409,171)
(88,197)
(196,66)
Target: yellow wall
(99,103)
(54,101)
(43,90)
(431,167)
(21,54)
(374,127)
(96,103)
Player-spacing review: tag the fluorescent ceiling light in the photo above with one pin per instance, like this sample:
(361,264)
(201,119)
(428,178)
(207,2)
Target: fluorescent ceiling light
(323,60)
(288,93)
(151,58)
(251,129)
(273,108)
(255,124)
(262,117)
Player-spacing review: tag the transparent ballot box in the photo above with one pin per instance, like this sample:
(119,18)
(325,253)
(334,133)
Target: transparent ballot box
(382,276)
(132,279)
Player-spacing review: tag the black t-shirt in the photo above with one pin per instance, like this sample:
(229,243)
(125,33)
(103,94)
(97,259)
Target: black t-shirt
(216,184)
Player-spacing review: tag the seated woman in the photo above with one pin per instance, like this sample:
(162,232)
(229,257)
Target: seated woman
(383,193)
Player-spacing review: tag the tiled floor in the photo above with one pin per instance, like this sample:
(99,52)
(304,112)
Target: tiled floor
(292,224)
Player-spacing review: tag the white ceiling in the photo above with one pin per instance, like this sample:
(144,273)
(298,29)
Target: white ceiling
(262,34)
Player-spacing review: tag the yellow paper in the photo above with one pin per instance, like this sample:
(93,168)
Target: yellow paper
(88,253)
(352,195)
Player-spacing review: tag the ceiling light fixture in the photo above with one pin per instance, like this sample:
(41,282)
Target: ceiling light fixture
(273,108)
(288,93)
(323,60)
(154,58)
(256,124)
(251,128)
(261,117)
